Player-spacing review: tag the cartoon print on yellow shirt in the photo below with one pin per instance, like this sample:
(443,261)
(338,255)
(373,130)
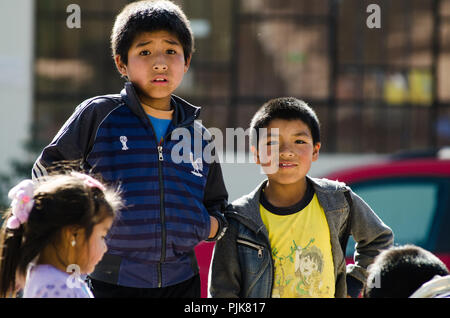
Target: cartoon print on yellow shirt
(306,281)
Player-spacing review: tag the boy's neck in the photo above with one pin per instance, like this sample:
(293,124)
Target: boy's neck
(285,195)
(158,104)
(157,113)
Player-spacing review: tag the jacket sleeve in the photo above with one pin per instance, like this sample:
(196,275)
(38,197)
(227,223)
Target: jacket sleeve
(75,138)
(371,236)
(224,272)
(216,196)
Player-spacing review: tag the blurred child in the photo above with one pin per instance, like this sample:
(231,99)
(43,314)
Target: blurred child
(401,270)
(287,238)
(54,232)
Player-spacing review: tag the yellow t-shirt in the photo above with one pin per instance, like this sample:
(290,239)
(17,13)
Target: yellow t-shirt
(301,250)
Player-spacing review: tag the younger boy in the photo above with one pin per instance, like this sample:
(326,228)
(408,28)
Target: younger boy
(287,237)
(127,139)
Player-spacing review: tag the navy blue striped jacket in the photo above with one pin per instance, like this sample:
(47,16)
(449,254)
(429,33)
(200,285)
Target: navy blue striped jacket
(168,203)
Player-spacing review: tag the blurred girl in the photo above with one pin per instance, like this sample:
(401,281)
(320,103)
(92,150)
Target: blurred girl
(53,233)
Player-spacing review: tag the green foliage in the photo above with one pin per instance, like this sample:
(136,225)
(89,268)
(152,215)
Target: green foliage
(19,168)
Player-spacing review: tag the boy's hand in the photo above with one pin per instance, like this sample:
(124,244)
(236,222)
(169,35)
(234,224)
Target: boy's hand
(214,226)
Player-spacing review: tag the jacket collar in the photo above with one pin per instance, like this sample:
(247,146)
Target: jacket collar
(184,113)
(246,208)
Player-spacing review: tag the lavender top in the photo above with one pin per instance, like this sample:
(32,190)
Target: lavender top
(46,281)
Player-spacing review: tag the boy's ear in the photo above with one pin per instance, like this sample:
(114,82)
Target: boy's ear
(316,151)
(121,66)
(187,63)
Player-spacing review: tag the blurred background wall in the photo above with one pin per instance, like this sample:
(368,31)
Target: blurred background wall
(377,91)
(16,79)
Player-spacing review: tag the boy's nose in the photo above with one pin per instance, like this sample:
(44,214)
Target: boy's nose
(286,152)
(160,66)
(286,155)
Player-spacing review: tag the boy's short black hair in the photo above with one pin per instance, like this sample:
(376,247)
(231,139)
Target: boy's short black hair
(148,16)
(287,108)
(399,271)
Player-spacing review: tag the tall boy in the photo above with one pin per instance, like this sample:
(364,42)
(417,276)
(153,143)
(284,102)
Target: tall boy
(286,238)
(127,139)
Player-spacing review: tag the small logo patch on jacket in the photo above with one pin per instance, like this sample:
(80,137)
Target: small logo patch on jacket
(197,164)
(124,140)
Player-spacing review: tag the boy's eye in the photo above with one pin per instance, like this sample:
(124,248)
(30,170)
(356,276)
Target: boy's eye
(300,142)
(170,51)
(145,52)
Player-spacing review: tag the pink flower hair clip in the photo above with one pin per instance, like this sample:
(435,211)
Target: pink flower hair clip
(22,203)
(89,181)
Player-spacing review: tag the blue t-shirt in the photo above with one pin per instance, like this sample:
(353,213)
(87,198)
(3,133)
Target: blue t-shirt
(160,126)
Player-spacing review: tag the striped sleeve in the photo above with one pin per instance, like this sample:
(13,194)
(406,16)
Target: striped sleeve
(38,171)
(75,138)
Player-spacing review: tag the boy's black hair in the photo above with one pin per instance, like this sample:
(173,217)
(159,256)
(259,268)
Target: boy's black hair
(399,271)
(287,108)
(148,16)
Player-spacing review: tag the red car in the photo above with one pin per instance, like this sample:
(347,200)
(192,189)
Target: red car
(411,195)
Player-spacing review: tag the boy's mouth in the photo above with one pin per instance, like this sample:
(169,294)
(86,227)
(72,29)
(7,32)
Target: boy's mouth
(160,80)
(287,165)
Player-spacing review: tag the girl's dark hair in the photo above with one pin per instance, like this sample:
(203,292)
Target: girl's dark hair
(148,16)
(288,108)
(59,201)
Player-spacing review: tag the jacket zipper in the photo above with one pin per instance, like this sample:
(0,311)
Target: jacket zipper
(161,204)
(260,248)
(161,196)
(161,208)
(162,214)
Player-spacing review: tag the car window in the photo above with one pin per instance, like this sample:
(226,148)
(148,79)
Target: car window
(406,206)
